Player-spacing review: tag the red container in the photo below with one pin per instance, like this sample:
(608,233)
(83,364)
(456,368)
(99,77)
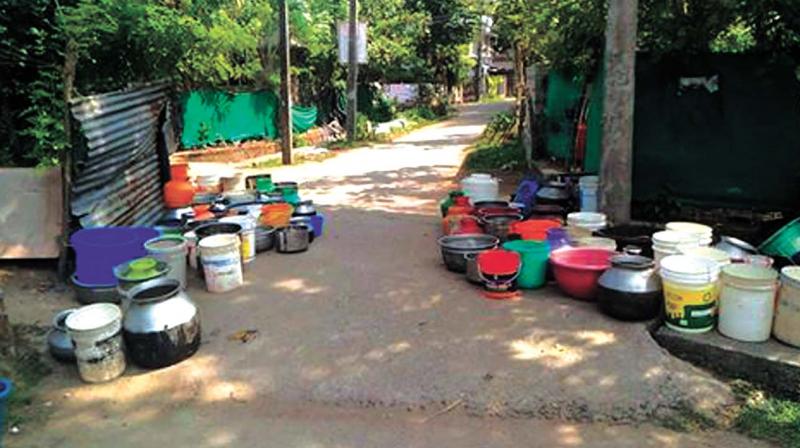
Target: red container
(577,270)
(179,171)
(467,224)
(533,229)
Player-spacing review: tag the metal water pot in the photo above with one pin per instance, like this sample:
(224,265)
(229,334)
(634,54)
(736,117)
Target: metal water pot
(162,324)
(293,239)
(631,288)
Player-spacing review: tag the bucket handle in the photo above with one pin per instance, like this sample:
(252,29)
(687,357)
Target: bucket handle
(486,280)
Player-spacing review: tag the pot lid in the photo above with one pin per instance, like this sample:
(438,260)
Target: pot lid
(736,242)
(468,242)
(628,261)
(144,268)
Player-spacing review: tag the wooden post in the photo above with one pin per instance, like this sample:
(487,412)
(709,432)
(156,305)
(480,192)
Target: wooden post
(286,86)
(519,87)
(352,74)
(68,77)
(6,332)
(479,66)
(616,168)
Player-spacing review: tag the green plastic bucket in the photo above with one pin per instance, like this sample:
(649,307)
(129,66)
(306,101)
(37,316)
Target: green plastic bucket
(534,256)
(785,242)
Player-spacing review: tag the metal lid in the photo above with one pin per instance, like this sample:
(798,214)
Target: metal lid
(468,242)
(635,262)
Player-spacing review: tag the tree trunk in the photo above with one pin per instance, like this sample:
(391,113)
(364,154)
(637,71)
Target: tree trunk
(519,87)
(616,167)
(6,332)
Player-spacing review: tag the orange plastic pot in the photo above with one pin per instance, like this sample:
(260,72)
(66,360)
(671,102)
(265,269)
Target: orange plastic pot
(466,225)
(276,215)
(179,171)
(533,229)
(178,193)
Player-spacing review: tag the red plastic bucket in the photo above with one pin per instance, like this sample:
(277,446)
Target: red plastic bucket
(534,229)
(498,270)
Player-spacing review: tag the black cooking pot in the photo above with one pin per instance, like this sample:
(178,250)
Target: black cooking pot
(638,235)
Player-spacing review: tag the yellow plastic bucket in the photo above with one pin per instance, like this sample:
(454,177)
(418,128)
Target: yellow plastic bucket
(691,292)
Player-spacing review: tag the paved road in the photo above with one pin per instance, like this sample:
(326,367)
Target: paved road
(369,318)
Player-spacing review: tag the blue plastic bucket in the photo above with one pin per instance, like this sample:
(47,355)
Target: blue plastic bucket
(5,392)
(98,250)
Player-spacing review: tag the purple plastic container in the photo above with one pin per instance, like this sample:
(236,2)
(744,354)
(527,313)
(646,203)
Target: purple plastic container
(98,250)
(317,224)
(557,237)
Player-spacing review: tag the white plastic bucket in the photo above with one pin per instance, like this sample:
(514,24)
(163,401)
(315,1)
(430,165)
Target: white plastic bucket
(480,187)
(596,242)
(588,220)
(222,262)
(690,292)
(703,234)
(96,331)
(247,235)
(670,242)
(588,186)
(787,312)
(747,302)
(721,257)
(170,249)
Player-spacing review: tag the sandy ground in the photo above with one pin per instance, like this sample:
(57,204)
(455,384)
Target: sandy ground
(364,337)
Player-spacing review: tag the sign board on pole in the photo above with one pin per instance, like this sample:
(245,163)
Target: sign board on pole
(344,35)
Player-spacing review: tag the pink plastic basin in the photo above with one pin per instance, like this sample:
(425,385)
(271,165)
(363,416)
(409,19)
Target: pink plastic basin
(577,270)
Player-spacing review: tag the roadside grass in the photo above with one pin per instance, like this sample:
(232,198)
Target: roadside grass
(766,417)
(299,158)
(493,156)
(26,369)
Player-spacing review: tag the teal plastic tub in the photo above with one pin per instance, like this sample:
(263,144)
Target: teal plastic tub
(534,255)
(783,243)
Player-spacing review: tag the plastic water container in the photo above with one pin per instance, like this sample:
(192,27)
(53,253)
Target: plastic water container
(98,250)
(670,242)
(481,187)
(747,302)
(787,312)
(247,235)
(721,257)
(222,262)
(96,331)
(172,250)
(588,186)
(703,233)
(592,221)
(690,292)
(534,255)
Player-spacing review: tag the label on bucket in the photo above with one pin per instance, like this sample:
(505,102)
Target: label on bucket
(690,309)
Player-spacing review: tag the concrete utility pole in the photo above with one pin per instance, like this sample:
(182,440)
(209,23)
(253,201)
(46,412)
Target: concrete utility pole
(286,86)
(352,74)
(616,169)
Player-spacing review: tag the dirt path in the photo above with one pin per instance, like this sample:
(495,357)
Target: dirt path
(368,318)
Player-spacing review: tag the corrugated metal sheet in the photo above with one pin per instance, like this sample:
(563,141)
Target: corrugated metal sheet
(118,182)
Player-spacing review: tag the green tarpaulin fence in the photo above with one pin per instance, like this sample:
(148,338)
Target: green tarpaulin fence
(211,116)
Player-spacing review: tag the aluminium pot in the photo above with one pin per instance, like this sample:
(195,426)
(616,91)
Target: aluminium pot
(265,238)
(293,239)
(500,225)
(738,250)
(631,289)
(634,234)
(162,325)
(456,248)
(58,341)
(305,208)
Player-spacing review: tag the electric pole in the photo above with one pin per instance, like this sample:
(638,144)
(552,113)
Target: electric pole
(285,109)
(352,74)
(616,168)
